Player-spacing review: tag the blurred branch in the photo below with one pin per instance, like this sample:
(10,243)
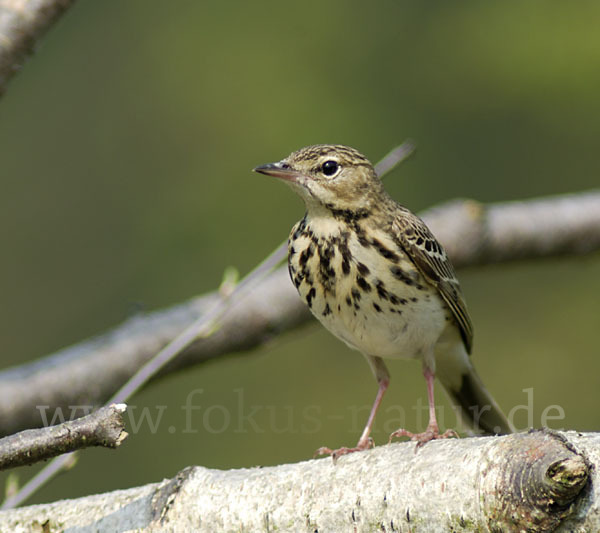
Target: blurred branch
(395,157)
(473,234)
(477,234)
(22,24)
(105,428)
(538,481)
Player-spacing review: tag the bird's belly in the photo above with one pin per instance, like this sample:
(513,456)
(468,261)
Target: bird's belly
(409,331)
(353,292)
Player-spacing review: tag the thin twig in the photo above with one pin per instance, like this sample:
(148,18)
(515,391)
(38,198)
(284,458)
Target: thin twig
(395,157)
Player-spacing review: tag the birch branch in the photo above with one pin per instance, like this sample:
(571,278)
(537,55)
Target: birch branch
(105,428)
(539,481)
(22,24)
(473,234)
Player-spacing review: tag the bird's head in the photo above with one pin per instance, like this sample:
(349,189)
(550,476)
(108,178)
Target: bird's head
(329,176)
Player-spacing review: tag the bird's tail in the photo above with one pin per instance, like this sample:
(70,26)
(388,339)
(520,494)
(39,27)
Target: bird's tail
(466,390)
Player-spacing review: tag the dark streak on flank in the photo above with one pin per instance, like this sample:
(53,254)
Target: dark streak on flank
(381,292)
(327,310)
(326,271)
(361,235)
(345,266)
(377,308)
(308,277)
(306,254)
(299,229)
(310,295)
(345,253)
(363,284)
(324,258)
(385,252)
(396,300)
(401,275)
(363,269)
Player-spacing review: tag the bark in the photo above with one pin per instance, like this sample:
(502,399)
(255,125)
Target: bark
(538,481)
(105,428)
(473,234)
(22,24)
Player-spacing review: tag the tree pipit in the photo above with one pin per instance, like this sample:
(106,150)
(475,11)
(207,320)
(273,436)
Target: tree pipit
(376,277)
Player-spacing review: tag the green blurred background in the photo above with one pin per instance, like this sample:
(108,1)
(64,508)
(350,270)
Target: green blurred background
(127,146)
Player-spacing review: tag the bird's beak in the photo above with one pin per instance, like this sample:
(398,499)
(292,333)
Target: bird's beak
(279,170)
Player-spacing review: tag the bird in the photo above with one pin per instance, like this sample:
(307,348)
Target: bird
(375,276)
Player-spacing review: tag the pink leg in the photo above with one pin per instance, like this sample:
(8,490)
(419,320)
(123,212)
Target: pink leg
(365,442)
(429,379)
(433,431)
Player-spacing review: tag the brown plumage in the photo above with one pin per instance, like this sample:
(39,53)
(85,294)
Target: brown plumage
(430,258)
(375,276)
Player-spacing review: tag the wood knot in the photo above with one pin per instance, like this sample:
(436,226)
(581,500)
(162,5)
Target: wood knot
(531,481)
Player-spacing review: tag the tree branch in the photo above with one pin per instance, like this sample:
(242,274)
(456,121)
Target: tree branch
(473,234)
(105,428)
(538,482)
(22,24)
(476,234)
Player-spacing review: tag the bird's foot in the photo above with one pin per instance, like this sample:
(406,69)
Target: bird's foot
(431,433)
(335,454)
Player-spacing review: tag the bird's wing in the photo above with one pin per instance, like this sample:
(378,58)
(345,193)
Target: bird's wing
(430,258)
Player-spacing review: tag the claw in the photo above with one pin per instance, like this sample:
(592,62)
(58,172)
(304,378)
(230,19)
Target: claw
(335,454)
(431,433)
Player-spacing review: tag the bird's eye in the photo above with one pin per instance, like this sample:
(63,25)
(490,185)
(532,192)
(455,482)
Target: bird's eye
(330,167)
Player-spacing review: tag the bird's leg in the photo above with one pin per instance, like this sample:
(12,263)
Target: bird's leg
(433,430)
(365,442)
(432,426)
